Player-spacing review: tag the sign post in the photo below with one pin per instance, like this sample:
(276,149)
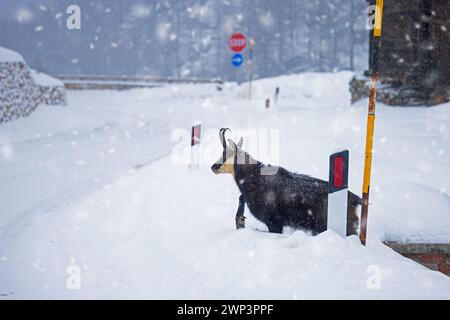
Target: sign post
(371,120)
(277,93)
(338,193)
(250,66)
(195,146)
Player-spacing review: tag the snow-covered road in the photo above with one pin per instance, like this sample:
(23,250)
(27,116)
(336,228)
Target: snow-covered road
(94,185)
(64,153)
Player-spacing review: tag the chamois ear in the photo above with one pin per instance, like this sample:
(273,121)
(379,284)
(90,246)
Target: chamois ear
(240,143)
(233,145)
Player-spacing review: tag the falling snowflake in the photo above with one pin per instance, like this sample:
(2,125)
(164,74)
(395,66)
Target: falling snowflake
(7,152)
(162,31)
(141,11)
(24,15)
(266,20)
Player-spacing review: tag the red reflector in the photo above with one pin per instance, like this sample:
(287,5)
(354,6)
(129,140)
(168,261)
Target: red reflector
(196,133)
(196,136)
(338,172)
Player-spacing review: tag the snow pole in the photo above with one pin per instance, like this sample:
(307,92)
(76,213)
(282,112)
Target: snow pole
(277,93)
(250,66)
(371,120)
(337,212)
(195,145)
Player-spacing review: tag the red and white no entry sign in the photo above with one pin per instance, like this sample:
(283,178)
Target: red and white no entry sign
(237,42)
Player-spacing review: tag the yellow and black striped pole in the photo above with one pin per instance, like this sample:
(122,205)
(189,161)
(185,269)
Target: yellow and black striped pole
(371,120)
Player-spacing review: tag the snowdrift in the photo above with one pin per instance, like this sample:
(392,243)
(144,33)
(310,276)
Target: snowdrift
(413,213)
(22,89)
(149,237)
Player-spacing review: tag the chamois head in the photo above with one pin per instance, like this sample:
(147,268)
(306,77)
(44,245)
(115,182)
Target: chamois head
(229,156)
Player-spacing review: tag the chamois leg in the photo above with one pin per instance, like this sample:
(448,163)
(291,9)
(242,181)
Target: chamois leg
(240,219)
(352,214)
(352,221)
(275,227)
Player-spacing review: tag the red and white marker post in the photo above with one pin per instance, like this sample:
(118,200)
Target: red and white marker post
(338,193)
(195,146)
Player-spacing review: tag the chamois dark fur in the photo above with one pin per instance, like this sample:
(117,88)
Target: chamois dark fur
(289,199)
(284,199)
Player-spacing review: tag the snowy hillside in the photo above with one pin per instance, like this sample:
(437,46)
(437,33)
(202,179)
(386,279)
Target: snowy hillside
(97,185)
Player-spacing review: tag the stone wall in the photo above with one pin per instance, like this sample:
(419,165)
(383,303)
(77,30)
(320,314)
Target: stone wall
(18,92)
(52,96)
(22,90)
(433,256)
(398,95)
(51,91)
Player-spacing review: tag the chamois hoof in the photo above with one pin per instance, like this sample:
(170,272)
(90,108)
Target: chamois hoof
(240,222)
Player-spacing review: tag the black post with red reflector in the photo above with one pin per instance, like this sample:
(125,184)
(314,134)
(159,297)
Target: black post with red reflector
(195,146)
(267,103)
(277,94)
(338,171)
(338,192)
(196,135)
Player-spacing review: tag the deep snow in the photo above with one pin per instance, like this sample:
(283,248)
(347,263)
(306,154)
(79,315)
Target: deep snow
(95,185)
(7,55)
(45,80)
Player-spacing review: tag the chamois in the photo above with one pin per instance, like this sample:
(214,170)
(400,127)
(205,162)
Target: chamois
(277,197)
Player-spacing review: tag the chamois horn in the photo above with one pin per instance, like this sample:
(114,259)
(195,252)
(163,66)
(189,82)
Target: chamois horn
(222,137)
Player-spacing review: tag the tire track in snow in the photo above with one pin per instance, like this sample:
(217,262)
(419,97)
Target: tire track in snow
(74,191)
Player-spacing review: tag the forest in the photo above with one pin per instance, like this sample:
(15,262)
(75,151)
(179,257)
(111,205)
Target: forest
(188,38)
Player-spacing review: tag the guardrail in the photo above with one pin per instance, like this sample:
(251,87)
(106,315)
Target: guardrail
(107,82)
